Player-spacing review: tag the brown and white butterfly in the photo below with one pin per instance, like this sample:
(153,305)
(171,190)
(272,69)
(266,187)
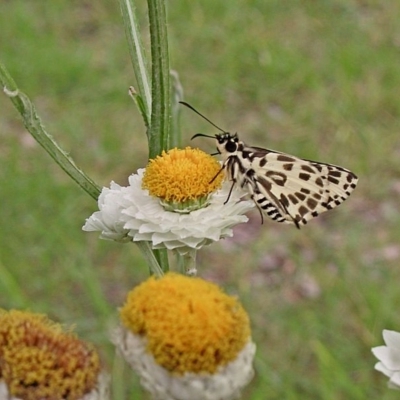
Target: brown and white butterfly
(284,187)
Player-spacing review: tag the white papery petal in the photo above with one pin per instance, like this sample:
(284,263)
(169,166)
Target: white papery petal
(4,393)
(391,338)
(131,214)
(225,384)
(394,382)
(381,368)
(102,389)
(109,219)
(100,392)
(389,358)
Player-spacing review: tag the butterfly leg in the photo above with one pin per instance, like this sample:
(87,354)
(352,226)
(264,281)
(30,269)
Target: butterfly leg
(283,207)
(230,191)
(232,171)
(252,196)
(268,202)
(215,177)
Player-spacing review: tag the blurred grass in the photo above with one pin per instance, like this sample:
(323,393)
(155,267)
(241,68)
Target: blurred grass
(316,79)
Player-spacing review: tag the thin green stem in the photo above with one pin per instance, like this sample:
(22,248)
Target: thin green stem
(162,258)
(140,105)
(35,127)
(138,59)
(150,257)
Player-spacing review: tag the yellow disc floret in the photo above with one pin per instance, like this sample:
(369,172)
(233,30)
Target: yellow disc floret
(40,361)
(190,324)
(182,176)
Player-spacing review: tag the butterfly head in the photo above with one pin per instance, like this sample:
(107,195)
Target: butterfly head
(227,143)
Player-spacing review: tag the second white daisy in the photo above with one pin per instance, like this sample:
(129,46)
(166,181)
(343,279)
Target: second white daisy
(186,339)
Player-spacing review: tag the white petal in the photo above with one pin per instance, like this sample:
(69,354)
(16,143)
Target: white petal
(381,368)
(102,389)
(100,392)
(391,338)
(394,382)
(388,356)
(4,393)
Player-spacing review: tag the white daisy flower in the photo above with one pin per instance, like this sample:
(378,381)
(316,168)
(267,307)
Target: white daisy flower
(186,339)
(174,203)
(389,358)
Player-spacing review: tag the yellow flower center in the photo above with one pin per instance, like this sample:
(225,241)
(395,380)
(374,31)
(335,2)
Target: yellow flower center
(182,179)
(190,324)
(40,361)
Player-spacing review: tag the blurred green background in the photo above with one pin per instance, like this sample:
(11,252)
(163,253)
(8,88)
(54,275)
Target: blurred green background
(317,79)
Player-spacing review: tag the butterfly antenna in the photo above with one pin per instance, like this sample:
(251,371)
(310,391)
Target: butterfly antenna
(201,115)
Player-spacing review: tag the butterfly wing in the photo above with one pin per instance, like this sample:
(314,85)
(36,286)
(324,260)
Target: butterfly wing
(292,190)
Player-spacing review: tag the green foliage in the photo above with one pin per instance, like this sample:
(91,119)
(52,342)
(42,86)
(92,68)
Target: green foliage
(316,79)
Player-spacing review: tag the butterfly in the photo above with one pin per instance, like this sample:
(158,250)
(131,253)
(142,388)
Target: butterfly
(284,188)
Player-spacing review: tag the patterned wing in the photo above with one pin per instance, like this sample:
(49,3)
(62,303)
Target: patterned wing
(292,190)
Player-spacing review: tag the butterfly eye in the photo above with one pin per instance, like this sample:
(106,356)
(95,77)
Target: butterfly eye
(231,146)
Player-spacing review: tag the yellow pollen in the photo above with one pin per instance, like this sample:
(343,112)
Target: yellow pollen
(190,324)
(41,361)
(181,175)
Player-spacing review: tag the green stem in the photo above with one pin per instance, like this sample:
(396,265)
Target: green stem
(158,133)
(159,138)
(187,262)
(35,127)
(155,109)
(138,59)
(150,257)
(162,258)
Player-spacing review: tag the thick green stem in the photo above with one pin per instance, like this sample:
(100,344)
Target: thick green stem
(158,133)
(156,111)
(159,137)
